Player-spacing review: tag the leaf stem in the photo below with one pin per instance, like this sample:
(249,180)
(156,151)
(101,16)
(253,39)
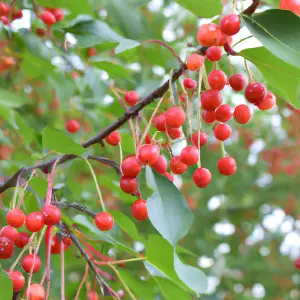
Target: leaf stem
(117,262)
(121,153)
(82,281)
(199,111)
(223,152)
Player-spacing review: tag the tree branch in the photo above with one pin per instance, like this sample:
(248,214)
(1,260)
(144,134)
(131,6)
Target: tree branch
(75,206)
(252,8)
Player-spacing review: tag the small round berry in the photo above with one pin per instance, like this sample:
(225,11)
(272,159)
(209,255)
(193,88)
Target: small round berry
(213,53)
(55,246)
(268,102)
(297,263)
(174,133)
(194,62)
(52,214)
(211,99)
(208,116)
(67,241)
(17,279)
(15,218)
(203,138)
(72,126)
(128,185)
(209,35)
(255,92)
(189,84)
(104,221)
(217,80)
(227,166)
(161,165)
(222,132)
(40,32)
(242,114)
(160,122)
(224,39)
(189,155)
(34,221)
(48,18)
(230,24)
(131,98)
(7,62)
(9,232)
(31,261)
(58,14)
(177,166)
(91,52)
(113,138)
(35,292)
(224,113)
(22,239)
(148,154)
(17,14)
(131,167)
(139,210)
(238,82)
(183,97)
(169,176)
(4,20)
(202,177)
(175,117)
(4,9)
(6,248)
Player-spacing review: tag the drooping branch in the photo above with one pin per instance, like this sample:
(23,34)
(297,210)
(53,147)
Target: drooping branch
(132,112)
(75,206)
(252,8)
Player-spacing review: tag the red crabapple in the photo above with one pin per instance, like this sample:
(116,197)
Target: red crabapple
(148,154)
(131,98)
(31,261)
(17,279)
(222,132)
(224,113)
(92,52)
(297,263)
(113,138)
(6,248)
(174,133)
(36,292)
(160,122)
(22,239)
(58,14)
(34,221)
(169,176)
(227,166)
(139,210)
(211,99)
(48,18)
(230,24)
(292,5)
(104,221)
(175,117)
(202,177)
(189,84)
(4,9)
(268,102)
(194,62)
(189,155)
(72,126)
(213,53)
(238,82)
(255,92)
(209,35)
(177,166)
(242,114)
(203,138)
(9,232)
(217,80)
(128,185)
(52,214)
(208,116)
(131,167)
(161,165)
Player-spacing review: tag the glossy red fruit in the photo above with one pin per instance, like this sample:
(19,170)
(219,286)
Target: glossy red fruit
(131,98)
(189,155)
(169,176)
(209,35)
(222,132)
(224,113)
(183,97)
(242,114)
(203,138)
(52,214)
(174,133)
(268,102)
(17,14)
(22,239)
(175,117)
(34,221)
(148,154)
(255,92)
(177,166)
(202,177)
(9,232)
(213,53)
(40,32)
(72,126)
(36,292)
(194,62)
(67,241)
(160,122)
(128,185)
(113,138)
(161,165)
(31,261)
(131,167)
(297,263)
(227,166)
(4,9)
(292,5)
(55,246)
(58,14)
(4,20)
(17,279)
(217,80)
(48,18)
(93,296)
(230,24)
(208,116)
(104,221)
(6,248)
(7,62)
(211,99)
(189,84)
(91,52)
(238,82)
(139,210)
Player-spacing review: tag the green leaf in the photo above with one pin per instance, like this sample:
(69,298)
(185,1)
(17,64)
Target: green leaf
(5,286)
(90,33)
(170,290)
(23,129)
(283,78)
(203,8)
(167,262)
(113,69)
(280,37)
(167,209)
(11,99)
(31,204)
(39,186)
(60,142)
(63,87)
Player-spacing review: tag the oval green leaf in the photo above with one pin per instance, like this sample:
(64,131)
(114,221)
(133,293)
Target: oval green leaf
(202,8)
